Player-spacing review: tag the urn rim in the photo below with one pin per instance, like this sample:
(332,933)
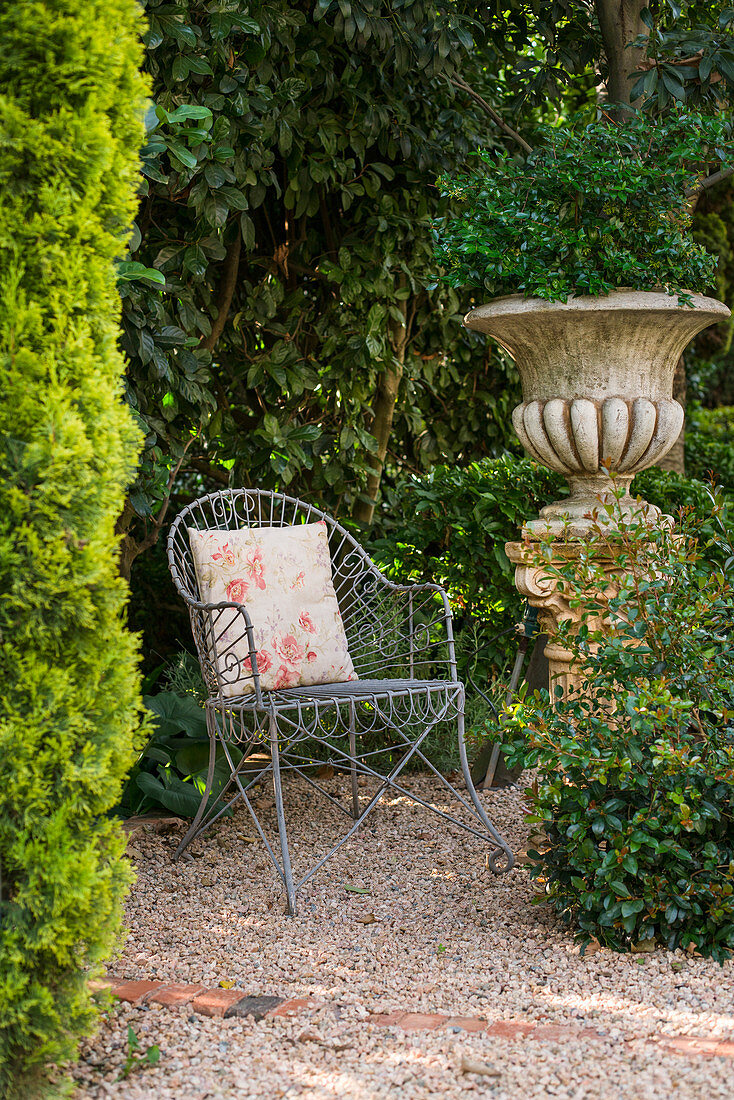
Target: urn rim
(620,299)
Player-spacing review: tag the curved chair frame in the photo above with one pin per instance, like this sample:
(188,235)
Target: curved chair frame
(401,642)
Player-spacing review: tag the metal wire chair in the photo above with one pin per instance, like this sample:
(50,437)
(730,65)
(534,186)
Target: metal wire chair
(401,642)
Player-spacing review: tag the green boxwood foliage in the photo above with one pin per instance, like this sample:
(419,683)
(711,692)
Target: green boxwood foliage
(452,526)
(71,102)
(709,451)
(590,209)
(635,790)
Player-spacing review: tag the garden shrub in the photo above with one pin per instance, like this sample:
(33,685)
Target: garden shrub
(583,213)
(170,772)
(452,526)
(709,449)
(635,790)
(70,123)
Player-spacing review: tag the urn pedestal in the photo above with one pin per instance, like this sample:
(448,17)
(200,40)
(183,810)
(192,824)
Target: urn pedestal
(538,583)
(597,383)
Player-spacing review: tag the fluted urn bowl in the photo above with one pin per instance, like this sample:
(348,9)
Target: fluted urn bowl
(597,383)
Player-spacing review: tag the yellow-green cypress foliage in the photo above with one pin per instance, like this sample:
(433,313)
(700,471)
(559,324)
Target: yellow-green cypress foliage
(71,100)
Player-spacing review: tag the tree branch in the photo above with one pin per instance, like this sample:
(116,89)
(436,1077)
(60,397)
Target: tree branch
(383,409)
(709,181)
(209,470)
(227,285)
(130,548)
(331,243)
(494,115)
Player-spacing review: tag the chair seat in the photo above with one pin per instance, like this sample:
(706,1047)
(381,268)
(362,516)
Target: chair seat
(356,690)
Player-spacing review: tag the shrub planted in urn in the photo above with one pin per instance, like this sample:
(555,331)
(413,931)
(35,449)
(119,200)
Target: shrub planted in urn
(594,229)
(589,210)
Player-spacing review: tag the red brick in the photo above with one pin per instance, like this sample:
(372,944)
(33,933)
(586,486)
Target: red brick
(552,1032)
(386,1019)
(419,1021)
(98,985)
(134,991)
(689,1044)
(589,1033)
(510,1029)
(175,994)
(467,1023)
(215,1002)
(294,1006)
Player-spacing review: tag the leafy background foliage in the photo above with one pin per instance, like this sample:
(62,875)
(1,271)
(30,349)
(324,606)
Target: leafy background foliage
(170,773)
(290,217)
(452,526)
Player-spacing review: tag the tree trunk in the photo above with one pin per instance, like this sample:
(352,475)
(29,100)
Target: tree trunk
(225,293)
(620,23)
(675,459)
(388,387)
(129,547)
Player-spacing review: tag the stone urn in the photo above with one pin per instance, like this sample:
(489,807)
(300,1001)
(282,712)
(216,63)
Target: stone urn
(597,383)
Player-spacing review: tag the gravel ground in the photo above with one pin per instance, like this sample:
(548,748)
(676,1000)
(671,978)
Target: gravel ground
(435,932)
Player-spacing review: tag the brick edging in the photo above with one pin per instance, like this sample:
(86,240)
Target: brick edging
(232,1002)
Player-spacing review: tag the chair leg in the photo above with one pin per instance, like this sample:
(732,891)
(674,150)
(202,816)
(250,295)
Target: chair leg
(280,812)
(194,826)
(503,849)
(353,762)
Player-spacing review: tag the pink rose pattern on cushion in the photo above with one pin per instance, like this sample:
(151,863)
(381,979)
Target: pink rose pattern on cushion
(254,566)
(226,555)
(305,623)
(287,677)
(236,590)
(288,648)
(263,660)
(283,577)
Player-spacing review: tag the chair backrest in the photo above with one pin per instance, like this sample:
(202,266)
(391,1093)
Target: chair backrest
(356,576)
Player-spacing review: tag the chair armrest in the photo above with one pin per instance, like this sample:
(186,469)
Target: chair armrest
(218,628)
(223,605)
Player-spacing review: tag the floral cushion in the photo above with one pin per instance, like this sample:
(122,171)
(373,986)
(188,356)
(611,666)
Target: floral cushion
(283,577)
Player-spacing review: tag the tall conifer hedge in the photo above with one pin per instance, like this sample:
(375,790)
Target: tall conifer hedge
(71,102)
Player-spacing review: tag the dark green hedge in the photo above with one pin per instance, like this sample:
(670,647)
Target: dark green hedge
(452,526)
(710,446)
(70,125)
